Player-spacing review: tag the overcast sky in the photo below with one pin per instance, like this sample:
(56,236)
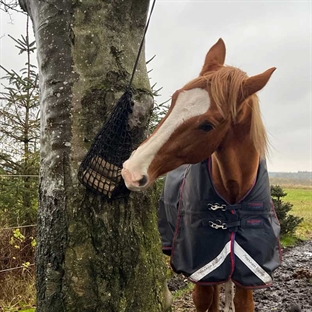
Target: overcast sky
(258,35)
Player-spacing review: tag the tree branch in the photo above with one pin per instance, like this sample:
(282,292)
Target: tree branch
(11,5)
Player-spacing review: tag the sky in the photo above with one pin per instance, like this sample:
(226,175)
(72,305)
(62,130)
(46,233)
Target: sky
(258,35)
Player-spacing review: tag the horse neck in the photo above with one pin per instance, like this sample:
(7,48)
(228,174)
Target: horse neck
(235,164)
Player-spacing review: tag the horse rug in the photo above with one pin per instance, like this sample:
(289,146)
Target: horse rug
(211,241)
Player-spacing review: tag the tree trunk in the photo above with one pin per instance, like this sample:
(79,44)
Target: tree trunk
(92,255)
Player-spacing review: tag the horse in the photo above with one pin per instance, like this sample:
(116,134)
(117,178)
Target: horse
(214,121)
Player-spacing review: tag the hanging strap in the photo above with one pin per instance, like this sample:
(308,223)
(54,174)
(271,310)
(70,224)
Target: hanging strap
(141,45)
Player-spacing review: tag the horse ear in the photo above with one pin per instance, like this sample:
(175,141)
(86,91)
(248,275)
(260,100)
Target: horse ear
(255,83)
(214,58)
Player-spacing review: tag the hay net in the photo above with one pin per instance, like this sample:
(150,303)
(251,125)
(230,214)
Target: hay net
(100,170)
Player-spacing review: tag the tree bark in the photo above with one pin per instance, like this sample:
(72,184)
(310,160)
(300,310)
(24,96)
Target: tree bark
(92,255)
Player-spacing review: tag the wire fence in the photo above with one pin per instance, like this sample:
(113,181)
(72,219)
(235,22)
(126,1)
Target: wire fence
(26,265)
(19,267)
(19,175)
(17,227)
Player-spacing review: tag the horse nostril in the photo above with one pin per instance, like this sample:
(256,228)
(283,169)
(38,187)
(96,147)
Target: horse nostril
(143,181)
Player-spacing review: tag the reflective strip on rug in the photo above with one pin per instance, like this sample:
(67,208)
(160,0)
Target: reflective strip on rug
(252,265)
(212,265)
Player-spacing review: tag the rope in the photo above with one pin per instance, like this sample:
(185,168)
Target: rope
(141,45)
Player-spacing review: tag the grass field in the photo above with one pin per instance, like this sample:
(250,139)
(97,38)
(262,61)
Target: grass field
(301,198)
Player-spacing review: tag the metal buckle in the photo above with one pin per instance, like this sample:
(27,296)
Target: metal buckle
(217,226)
(216,206)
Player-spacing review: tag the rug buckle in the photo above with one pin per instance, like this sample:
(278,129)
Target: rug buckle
(219,225)
(216,206)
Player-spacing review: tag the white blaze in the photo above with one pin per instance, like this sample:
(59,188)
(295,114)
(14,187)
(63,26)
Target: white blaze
(189,104)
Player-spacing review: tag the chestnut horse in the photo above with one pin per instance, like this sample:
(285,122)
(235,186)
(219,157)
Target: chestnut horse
(214,116)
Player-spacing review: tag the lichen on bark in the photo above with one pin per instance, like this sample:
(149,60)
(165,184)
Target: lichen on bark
(92,255)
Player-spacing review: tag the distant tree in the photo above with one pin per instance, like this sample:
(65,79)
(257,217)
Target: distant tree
(288,222)
(159,110)
(19,139)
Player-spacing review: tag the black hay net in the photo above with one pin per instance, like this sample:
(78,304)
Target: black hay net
(100,170)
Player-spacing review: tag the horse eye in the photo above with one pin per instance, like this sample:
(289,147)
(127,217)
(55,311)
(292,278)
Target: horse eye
(205,126)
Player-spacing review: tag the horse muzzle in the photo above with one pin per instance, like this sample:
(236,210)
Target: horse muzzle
(134,181)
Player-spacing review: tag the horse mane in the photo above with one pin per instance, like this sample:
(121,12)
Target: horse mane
(226,85)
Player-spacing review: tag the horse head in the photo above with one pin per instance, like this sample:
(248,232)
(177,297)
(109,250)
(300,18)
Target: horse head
(201,115)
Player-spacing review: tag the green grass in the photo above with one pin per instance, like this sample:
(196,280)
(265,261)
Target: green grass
(289,240)
(301,198)
(17,292)
(17,310)
(181,292)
